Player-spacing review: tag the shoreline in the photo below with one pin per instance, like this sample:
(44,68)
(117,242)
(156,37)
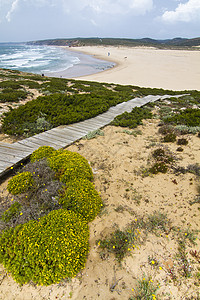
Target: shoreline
(88,65)
(146,67)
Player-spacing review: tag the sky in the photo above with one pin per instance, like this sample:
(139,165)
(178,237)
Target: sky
(30,20)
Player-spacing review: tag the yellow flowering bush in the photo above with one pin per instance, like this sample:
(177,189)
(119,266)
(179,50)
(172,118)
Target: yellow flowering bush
(81,197)
(42,152)
(20,183)
(70,165)
(48,250)
(53,246)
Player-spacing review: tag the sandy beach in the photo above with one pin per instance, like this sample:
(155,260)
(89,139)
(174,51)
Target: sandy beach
(147,67)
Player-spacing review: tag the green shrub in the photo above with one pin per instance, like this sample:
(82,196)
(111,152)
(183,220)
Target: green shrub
(13,211)
(159,167)
(61,109)
(120,242)
(132,119)
(169,138)
(14,85)
(46,251)
(166,129)
(157,222)
(32,128)
(93,134)
(189,117)
(12,96)
(81,197)
(20,183)
(182,141)
(184,129)
(160,155)
(179,149)
(163,161)
(69,166)
(30,83)
(42,152)
(146,289)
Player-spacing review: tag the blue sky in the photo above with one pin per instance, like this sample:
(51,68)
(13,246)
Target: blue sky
(27,20)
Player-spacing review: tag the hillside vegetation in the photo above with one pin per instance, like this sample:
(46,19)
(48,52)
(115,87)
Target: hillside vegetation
(62,101)
(169,43)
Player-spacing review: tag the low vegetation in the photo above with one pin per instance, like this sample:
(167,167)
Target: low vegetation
(132,119)
(63,102)
(47,250)
(45,235)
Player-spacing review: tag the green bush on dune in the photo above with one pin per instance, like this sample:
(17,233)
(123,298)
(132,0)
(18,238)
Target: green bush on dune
(12,96)
(189,117)
(132,119)
(58,109)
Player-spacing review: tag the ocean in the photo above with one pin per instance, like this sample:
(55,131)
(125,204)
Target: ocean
(49,60)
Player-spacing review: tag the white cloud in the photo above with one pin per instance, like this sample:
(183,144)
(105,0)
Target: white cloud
(13,5)
(12,9)
(185,12)
(110,6)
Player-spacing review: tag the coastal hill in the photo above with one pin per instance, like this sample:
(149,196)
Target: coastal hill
(168,43)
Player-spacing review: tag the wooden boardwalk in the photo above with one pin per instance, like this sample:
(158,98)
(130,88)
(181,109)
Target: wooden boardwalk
(62,136)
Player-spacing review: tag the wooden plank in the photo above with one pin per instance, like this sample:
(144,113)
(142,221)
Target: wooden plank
(21,154)
(85,126)
(32,146)
(104,121)
(78,131)
(57,137)
(10,161)
(105,117)
(49,140)
(4,165)
(10,158)
(95,123)
(108,114)
(40,142)
(82,128)
(14,146)
(71,135)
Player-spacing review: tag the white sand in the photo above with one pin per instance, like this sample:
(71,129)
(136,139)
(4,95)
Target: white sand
(148,67)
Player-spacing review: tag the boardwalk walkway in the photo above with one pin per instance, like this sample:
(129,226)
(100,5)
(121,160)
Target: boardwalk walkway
(62,136)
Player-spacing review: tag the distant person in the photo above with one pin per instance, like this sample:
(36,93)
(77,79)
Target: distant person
(108,53)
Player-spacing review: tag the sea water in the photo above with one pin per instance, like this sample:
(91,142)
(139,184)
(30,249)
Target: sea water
(49,60)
